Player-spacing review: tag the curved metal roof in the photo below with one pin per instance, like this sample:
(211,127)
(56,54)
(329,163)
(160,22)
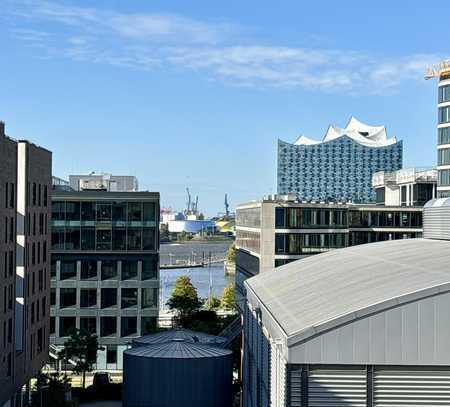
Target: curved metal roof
(371,136)
(177,349)
(441,202)
(185,334)
(327,290)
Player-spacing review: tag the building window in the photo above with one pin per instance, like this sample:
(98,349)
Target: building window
(88,324)
(88,211)
(149,211)
(108,269)
(103,212)
(119,211)
(148,238)
(148,325)
(129,269)
(134,239)
(68,269)
(444,114)
(128,326)
(103,239)
(443,156)
(444,94)
(444,177)
(58,210)
(111,354)
(129,297)
(149,269)
(67,297)
(73,211)
(134,211)
(88,297)
(66,325)
(72,239)
(108,326)
(119,238)
(108,297)
(52,296)
(52,326)
(149,297)
(57,238)
(88,269)
(87,238)
(444,135)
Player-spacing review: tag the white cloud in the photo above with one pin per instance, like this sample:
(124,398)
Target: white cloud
(145,40)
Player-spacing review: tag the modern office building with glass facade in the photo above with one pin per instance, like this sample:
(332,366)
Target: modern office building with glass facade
(278,230)
(105,268)
(444,131)
(340,167)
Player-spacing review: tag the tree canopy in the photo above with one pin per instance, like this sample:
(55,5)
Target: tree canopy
(184,298)
(81,348)
(228,300)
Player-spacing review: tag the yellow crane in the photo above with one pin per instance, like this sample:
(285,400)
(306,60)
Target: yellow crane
(441,71)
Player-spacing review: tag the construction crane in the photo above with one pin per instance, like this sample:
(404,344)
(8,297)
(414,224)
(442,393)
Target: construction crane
(227,207)
(441,70)
(189,201)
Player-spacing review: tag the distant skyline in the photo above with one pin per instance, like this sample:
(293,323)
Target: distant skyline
(195,94)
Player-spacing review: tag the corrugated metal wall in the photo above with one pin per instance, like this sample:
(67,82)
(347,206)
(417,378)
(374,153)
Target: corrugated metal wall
(337,388)
(411,388)
(436,222)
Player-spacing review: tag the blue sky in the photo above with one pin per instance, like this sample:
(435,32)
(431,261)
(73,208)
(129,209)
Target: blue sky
(196,93)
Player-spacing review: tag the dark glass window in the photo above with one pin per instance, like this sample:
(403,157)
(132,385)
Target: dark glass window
(380,195)
(88,211)
(109,269)
(119,238)
(149,269)
(88,324)
(68,269)
(67,297)
(66,325)
(134,239)
(52,296)
(58,210)
(57,238)
(279,218)
(149,211)
(88,297)
(103,212)
(111,354)
(280,243)
(444,94)
(88,269)
(148,325)
(73,211)
(148,239)
(134,211)
(129,297)
(52,326)
(128,326)
(72,239)
(108,326)
(87,238)
(103,239)
(109,297)
(149,297)
(129,269)
(53,268)
(119,211)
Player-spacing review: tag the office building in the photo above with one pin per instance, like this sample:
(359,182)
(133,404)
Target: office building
(105,268)
(105,182)
(280,229)
(25,190)
(443,75)
(340,167)
(405,187)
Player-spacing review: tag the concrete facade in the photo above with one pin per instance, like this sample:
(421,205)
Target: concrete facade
(25,189)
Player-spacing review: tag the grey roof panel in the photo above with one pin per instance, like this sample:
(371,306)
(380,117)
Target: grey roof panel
(325,290)
(185,334)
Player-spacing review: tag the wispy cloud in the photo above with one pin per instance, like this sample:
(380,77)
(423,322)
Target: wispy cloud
(144,41)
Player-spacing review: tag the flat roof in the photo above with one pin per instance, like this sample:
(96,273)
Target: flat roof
(324,291)
(103,195)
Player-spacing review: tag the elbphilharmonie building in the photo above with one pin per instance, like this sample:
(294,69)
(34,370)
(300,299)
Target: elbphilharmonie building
(339,167)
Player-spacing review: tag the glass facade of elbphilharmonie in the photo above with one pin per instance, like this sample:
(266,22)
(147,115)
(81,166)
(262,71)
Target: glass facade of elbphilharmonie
(340,167)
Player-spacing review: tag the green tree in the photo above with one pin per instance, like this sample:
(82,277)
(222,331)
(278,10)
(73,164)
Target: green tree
(228,300)
(212,303)
(81,347)
(231,255)
(184,298)
(50,390)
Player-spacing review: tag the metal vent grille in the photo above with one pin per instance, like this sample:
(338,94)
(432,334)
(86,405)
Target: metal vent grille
(413,388)
(296,388)
(337,388)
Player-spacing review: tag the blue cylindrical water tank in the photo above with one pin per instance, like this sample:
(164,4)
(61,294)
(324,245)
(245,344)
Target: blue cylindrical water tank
(177,374)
